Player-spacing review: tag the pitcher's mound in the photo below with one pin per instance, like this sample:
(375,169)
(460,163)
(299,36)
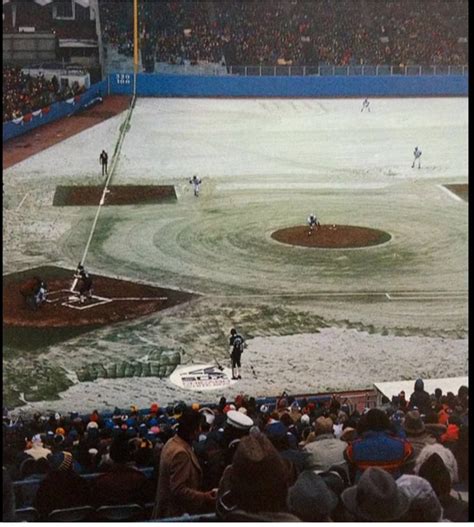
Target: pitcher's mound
(332,236)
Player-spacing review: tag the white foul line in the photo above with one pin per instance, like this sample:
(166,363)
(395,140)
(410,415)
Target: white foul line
(450,192)
(21,202)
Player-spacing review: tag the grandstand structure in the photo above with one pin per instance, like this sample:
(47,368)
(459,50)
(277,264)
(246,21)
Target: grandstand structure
(262,101)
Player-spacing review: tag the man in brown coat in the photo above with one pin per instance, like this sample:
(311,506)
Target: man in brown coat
(180,477)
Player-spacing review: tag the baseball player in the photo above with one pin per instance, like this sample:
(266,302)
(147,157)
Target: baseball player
(35,292)
(417,155)
(85,284)
(365,105)
(103,160)
(237,345)
(195,182)
(313,223)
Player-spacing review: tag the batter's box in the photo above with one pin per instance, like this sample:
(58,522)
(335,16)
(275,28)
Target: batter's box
(74,302)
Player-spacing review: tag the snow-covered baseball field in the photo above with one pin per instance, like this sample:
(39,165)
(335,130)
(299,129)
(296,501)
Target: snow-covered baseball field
(316,320)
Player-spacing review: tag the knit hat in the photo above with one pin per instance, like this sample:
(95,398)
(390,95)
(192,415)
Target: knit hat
(376,497)
(413,423)
(305,419)
(92,424)
(258,479)
(310,498)
(264,409)
(154,408)
(276,430)
(61,461)
(424,504)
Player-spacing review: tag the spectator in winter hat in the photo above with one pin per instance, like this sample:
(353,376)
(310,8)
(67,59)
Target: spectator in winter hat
(310,499)
(375,498)
(420,399)
(424,504)
(255,486)
(62,488)
(440,470)
(123,483)
(416,432)
(217,451)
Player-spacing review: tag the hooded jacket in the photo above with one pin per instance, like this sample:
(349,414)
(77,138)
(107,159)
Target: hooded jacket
(420,399)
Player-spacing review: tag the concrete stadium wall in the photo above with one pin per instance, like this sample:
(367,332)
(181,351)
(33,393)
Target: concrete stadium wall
(54,112)
(149,85)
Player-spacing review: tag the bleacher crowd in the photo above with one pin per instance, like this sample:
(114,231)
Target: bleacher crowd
(23,93)
(309,459)
(296,32)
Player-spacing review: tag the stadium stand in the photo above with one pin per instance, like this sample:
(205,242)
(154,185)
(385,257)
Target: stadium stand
(119,454)
(268,32)
(23,93)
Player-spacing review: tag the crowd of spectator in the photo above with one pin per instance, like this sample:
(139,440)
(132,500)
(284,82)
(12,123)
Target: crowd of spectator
(23,93)
(294,459)
(297,32)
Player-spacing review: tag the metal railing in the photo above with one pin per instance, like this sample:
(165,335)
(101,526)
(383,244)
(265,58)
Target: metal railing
(326,70)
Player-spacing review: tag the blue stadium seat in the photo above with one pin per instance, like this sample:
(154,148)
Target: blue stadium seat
(120,513)
(27,514)
(74,514)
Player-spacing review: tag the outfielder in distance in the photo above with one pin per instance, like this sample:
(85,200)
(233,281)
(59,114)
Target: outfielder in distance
(196,183)
(313,223)
(417,155)
(365,105)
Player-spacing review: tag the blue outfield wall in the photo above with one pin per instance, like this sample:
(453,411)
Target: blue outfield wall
(57,110)
(331,86)
(154,85)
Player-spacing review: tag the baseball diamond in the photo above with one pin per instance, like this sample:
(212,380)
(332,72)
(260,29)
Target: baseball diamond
(231,257)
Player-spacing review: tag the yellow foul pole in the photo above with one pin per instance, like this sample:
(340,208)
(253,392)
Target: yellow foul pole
(135,43)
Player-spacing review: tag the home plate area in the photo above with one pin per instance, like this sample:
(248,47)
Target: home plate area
(111,300)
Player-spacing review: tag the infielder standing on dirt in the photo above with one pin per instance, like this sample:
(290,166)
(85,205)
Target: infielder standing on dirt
(417,155)
(195,182)
(313,223)
(237,345)
(103,160)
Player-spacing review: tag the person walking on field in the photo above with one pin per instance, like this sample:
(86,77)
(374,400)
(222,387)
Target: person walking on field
(103,160)
(237,345)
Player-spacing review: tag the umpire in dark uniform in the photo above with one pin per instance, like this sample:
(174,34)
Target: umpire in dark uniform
(103,160)
(237,344)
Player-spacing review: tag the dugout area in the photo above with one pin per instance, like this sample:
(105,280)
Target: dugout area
(113,300)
